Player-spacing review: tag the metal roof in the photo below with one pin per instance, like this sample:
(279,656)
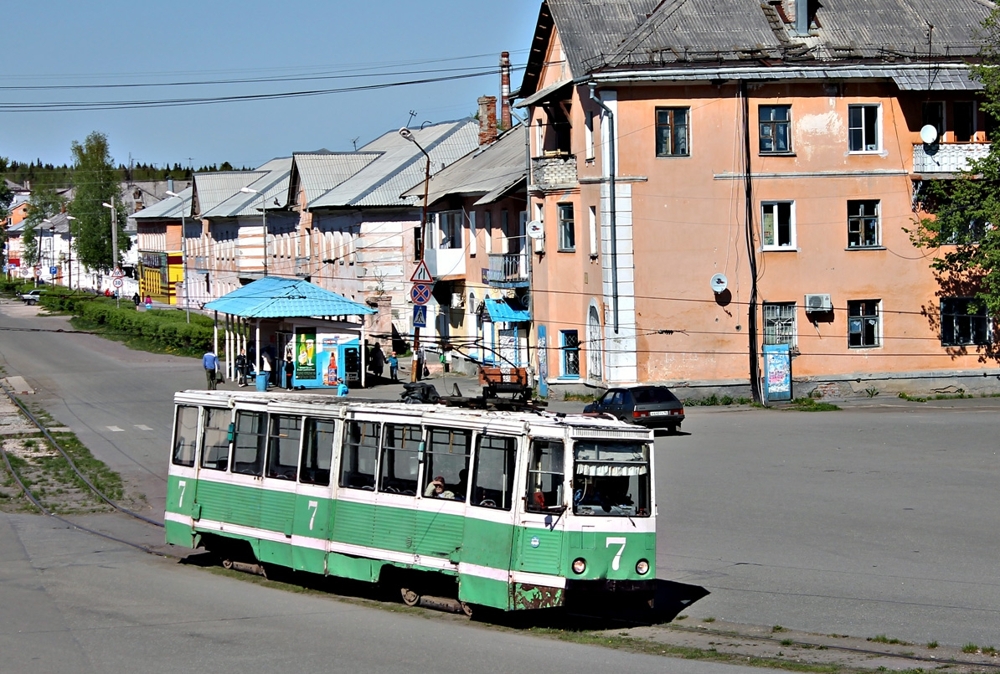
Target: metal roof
(502,311)
(490,169)
(319,172)
(400,165)
(214,188)
(274,297)
(170,208)
(604,36)
(271,186)
(544,93)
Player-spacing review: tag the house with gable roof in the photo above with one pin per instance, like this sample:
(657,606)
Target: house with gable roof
(715,177)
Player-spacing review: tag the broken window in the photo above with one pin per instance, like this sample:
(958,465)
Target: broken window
(863,323)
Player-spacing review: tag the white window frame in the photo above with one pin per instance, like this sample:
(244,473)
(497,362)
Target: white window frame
(488,230)
(852,217)
(773,208)
(853,329)
(867,147)
(589,136)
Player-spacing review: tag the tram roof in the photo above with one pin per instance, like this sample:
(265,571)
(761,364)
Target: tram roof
(327,405)
(274,297)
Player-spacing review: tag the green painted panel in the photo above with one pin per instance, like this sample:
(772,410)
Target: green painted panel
(178,534)
(277,510)
(395,529)
(484,591)
(355,568)
(439,535)
(353,523)
(600,561)
(487,544)
(275,552)
(540,551)
(312,520)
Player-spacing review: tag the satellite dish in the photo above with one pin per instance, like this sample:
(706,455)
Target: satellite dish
(928,134)
(526,300)
(536,230)
(719,283)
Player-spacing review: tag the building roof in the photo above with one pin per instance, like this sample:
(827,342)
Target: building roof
(319,172)
(616,35)
(212,189)
(270,191)
(488,170)
(504,311)
(274,297)
(400,164)
(170,208)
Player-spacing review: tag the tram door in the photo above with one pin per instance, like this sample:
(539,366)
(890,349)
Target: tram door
(313,505)
(537,546)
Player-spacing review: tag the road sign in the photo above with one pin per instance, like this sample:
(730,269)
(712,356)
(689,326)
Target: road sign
(419,316)
(118,273)
(420,293)
(53,270)
(422,274)
(118,283)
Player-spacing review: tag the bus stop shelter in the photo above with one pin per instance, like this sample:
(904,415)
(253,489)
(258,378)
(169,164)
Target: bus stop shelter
(324,318)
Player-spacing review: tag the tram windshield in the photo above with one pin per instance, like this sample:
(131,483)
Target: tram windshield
(611,479)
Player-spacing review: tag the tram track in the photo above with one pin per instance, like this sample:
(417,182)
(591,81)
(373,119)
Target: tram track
(97,492)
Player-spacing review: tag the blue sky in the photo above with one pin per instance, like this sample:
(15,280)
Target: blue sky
(73,42)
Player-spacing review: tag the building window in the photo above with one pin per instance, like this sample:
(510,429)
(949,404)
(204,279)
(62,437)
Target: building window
(964,322)
(589,136)
(593,232)
(570,353)
(450,230)
(567,228)
(775,129)
(862,224)
(672,132)
(779,323)
(863,128)
(863,324)
(777,225)
(965,121)
(933,114)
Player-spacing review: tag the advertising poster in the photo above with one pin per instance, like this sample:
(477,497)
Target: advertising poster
(777,372)
(305,353)
(543,363)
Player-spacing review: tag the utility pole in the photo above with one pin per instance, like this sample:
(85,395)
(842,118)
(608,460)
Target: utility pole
(114,246)
(416,362)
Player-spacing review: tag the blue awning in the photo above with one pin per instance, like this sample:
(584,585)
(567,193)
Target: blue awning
(503,311)
(274,297)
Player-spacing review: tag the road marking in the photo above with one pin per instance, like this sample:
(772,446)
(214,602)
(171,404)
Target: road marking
(115,429)
(143,427)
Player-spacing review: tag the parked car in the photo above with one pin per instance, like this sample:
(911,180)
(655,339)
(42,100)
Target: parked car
(32,296)
(650,406)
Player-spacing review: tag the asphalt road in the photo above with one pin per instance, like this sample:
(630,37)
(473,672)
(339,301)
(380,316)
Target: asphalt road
(876,519)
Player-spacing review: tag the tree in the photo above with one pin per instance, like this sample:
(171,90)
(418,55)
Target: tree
(6,196)
(97,182)
(963,228)
(45,202)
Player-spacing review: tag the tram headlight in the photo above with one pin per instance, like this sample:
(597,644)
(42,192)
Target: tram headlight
(579,565)
(642,567)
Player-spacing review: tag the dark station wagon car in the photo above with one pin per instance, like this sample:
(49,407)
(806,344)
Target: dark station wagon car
(650,406)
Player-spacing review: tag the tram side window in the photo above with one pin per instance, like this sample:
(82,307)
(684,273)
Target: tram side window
(283,446)
(185,436)
(317,455)
(248,444)
(493,479)
(447,458)
(215,443)
(545,476)
(400,455)
(357,461)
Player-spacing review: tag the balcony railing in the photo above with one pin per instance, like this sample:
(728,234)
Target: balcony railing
(549,173)
(946,157)
(509,270)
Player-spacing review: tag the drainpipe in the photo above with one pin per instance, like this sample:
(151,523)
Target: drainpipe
(614,213)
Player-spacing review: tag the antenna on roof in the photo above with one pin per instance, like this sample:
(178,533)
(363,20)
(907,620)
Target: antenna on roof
(413,113)
(354,141)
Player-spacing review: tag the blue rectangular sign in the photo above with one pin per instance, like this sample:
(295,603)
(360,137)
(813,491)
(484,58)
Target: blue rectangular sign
(419,316)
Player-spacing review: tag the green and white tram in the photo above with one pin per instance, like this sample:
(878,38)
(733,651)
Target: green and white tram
(518,510)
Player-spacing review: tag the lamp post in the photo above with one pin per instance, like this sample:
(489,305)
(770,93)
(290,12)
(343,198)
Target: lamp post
(69,251)
(114,245)
(416,364)
(184,256)
(263,214)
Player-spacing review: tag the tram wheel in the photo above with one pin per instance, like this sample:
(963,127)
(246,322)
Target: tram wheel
(227,564)
(410,598)
(467,608)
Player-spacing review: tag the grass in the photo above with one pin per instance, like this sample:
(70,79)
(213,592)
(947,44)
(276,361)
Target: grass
(932,644)
(942,396)
(883,639)
(777,628)
(137,343)
(811,405)
(580,397)
(970,648)
(716,401)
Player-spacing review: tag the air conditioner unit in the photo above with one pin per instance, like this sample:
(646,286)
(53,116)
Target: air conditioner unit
(457,300)
(818,303)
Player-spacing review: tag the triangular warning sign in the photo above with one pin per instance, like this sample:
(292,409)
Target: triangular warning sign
(422,274)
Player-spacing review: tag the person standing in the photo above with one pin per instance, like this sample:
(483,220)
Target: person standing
(393,366)
(289,368)
(241,368)
(376,361)
(211,364)
(135,299)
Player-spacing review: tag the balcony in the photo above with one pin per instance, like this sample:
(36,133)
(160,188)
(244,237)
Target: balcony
(509,270)
(554,172)
(946,158)
(447,263)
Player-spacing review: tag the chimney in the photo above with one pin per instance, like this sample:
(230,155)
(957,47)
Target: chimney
(802,17)
(505,90)
(487,119)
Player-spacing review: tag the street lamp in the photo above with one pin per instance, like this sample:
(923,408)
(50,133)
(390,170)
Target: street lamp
(263,212)
(184,256)
(114,245)
(416,364)
(69,252)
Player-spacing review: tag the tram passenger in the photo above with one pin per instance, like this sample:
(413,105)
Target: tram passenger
(436,489)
